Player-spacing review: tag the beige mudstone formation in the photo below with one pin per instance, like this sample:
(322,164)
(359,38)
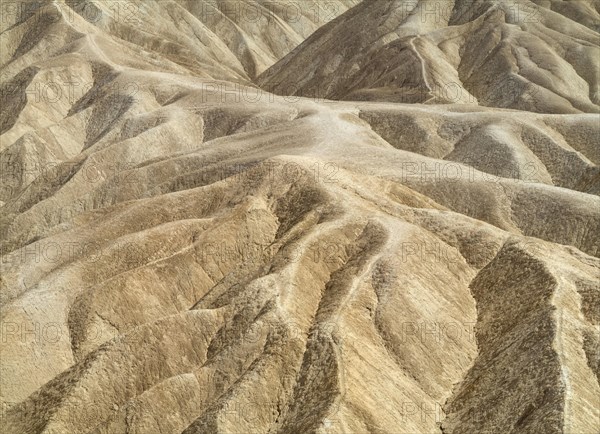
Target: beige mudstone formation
(271,217)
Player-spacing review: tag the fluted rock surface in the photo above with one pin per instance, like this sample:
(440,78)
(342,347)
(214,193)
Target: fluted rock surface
(185,252)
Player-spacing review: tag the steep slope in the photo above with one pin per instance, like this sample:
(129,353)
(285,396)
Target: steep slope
(260,32)
(233,40)
(487,52)
(185,252)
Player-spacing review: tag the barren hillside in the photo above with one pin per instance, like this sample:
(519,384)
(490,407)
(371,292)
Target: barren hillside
(495,53)
(269,217)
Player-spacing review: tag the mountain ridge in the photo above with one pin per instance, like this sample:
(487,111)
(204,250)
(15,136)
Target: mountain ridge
(184,251)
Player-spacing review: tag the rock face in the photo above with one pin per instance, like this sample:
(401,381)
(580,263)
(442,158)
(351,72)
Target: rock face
(510,54)
(184,251)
